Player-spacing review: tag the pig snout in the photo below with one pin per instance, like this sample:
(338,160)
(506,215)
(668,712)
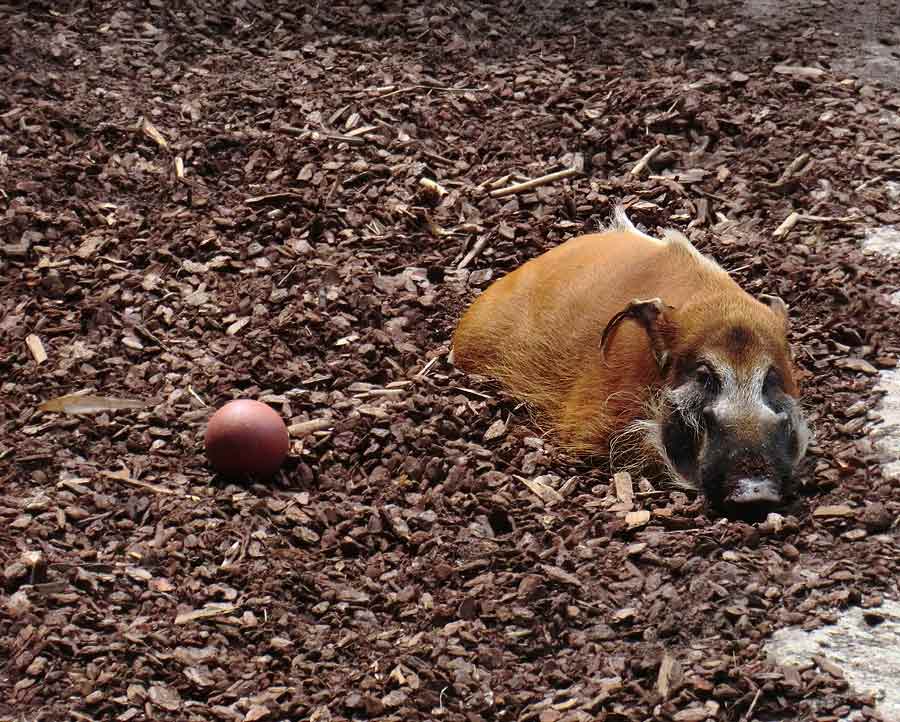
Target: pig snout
(754,492)
(750,455)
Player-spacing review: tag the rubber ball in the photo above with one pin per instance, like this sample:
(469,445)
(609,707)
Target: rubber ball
(246,437)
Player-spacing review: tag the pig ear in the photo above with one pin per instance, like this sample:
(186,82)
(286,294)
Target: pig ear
(778,307)
(650,314)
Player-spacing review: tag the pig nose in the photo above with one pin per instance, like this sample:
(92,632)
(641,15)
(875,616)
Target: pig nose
(754,492)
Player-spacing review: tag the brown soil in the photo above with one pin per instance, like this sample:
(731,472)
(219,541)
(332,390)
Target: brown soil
(399,568)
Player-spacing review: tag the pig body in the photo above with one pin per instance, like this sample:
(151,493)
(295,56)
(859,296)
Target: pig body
(646,350)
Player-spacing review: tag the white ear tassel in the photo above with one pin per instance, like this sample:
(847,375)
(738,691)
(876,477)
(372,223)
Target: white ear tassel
(621,222)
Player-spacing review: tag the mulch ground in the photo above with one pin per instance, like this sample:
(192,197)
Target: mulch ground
(202,201)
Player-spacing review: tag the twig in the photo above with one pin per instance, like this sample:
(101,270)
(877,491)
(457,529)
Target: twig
(362,130)
(143,484)
(496,182)
(794,218)
(291,130)
(272,198)
(473,253)
(477,394)
(535,183)
(866,184)
(749,715)
(197,396)
(424,372)
(440,88)
(287,275)
(305,428)
(795,165)
(642,164)
(321,134)
(805,218)
(786,225)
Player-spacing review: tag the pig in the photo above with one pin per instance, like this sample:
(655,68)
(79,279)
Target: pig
(645,351)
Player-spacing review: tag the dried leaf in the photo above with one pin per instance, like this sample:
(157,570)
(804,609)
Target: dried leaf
(88,404)
(208,612)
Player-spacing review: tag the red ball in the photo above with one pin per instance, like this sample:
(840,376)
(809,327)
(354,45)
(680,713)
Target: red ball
(246,437)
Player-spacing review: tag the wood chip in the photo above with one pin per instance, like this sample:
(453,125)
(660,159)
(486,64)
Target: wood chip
(857,364)
(152,132)
(547,494)
(624,486)
(623,615)
(638,518)
(165,697)
(669,676)
(560,575)
(36,348)
(837,510)
(799,72)
(495,430)
(305,428)
(237,326)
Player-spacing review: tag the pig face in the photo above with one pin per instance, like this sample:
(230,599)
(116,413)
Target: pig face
(726,419)
(729,421)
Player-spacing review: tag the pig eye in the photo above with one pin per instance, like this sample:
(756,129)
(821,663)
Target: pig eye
(706,377)
(773,381)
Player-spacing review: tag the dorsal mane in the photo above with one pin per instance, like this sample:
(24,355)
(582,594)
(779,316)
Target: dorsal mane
(671,237)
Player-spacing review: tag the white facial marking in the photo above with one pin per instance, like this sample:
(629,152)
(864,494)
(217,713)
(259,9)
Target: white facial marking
(741,401)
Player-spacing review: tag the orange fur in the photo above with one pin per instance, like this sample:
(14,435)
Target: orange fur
(537,330)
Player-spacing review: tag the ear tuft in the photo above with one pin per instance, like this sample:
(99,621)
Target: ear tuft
(776,305)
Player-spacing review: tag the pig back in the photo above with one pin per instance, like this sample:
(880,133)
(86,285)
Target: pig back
(537,329)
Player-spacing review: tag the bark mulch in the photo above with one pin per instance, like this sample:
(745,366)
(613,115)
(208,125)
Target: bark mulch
(293,202)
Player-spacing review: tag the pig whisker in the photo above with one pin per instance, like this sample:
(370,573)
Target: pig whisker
(639,445)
